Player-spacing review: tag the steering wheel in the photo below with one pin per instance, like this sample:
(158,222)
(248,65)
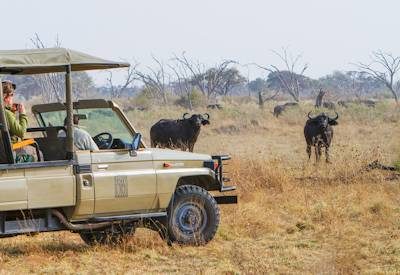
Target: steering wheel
(103,140)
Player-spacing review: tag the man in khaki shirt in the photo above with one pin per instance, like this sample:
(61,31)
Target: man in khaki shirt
(82,139)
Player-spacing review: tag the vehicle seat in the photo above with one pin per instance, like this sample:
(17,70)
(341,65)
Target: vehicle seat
(52,146)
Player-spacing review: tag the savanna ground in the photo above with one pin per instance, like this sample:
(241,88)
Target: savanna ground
(292,217)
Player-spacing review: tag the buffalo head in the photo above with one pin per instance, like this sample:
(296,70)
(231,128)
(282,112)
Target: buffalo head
(323,120)
(197,119)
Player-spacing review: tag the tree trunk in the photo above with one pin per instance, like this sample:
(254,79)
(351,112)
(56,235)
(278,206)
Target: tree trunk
(395,96)
(318,101)
(164,95)
(190,101)
(260,100)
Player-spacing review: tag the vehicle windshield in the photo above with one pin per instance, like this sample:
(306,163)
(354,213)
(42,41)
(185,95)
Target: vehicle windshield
(98,120)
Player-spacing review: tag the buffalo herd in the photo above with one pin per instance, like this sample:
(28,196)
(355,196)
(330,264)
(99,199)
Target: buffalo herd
(183,133)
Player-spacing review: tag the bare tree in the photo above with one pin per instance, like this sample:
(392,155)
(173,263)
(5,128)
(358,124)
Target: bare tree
(215,77)
(183,80)
(384,68)
(196,70)
(208,81)
(155,81)
(290,77)
(130,76)
(51,84)
(262,98)
(230,78)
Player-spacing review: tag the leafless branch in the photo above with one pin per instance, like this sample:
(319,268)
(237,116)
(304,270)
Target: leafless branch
(155,80)
(129,78)
(290,76)
(51,84)
(384,68)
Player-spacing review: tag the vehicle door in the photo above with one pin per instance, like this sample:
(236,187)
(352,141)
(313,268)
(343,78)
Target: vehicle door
(124,181)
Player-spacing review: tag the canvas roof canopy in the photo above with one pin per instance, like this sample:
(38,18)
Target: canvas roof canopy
(49,60)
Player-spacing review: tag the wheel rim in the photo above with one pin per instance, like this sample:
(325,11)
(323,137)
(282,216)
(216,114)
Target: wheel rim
(190,218)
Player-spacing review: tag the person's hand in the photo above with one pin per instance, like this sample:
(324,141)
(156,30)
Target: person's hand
(21,108)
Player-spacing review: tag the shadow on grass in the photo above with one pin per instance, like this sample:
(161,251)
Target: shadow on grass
(52,248)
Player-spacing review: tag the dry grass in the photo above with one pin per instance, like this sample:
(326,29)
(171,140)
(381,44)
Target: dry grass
(292,217)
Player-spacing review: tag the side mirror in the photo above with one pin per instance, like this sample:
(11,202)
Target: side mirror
(137,138)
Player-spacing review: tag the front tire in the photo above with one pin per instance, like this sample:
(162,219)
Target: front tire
(193,216)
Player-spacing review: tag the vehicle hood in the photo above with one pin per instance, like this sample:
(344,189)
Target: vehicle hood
(168,154)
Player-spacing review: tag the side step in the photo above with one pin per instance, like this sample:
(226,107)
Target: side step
(129,217)
(226,199)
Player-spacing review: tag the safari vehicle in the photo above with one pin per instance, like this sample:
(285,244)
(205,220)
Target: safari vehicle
(102,195)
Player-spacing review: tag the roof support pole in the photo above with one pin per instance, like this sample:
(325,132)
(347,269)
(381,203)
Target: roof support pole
(69,108)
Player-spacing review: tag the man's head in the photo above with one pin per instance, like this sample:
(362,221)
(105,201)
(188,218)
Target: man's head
(75,119)
(8,92)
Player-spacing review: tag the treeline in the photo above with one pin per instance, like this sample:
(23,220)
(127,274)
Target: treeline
(188,83)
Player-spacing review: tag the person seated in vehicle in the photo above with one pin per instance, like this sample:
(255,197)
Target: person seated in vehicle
(17,125)
(82,139)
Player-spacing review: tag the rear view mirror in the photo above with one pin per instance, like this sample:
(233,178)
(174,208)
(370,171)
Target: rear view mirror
(137,138)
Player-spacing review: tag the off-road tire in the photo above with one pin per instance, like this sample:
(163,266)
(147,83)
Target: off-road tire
(193,216)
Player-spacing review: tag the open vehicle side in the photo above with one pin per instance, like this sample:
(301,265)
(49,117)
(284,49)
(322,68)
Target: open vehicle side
(105,194)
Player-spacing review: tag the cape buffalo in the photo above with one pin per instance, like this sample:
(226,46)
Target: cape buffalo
(181,133)
(215,106)
(279,109)
(318,132)
(367,102)
(329,105)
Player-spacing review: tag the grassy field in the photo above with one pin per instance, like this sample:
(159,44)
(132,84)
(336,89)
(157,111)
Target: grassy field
(293,216)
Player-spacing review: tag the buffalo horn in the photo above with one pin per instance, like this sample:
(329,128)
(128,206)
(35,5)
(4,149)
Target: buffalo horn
(208,116)
(309,115)
(337,116)
(184,115)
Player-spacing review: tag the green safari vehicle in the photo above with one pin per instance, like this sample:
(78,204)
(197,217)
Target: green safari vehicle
(106,194)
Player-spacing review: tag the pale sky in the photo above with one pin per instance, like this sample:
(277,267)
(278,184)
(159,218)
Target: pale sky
(329,34)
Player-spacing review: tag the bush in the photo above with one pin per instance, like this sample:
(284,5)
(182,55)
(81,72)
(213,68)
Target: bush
(397,165)
(196,97)
(142,100)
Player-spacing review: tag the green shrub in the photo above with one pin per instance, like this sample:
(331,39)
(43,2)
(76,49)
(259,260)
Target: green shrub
(143,99)
(196,97)
(397,165)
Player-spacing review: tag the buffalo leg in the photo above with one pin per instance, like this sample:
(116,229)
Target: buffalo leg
(327,154)
(317,152)
(308,151)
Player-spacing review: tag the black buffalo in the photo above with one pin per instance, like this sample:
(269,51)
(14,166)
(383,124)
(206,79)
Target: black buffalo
(215,106)
(279,109)
(181,133)
(329,105)
(318,132)
(367,102)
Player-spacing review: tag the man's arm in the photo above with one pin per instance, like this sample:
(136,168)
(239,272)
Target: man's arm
(84,139)
(91,144)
